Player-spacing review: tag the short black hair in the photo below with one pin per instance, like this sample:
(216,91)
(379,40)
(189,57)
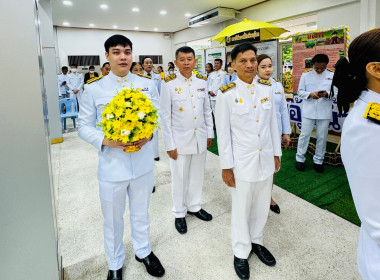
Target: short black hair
(184,49)
(91,67)
(143,60)
(171,63)
(65,68)
(160,68)
(320,58)
(241,49)
(105,63)
(116,40)
(218,59)
(171,68)
(134,64)
(73,64)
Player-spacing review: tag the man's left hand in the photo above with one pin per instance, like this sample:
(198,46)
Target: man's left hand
(209,142)
(277,163)
(286,140)
(75,91)
(142,142)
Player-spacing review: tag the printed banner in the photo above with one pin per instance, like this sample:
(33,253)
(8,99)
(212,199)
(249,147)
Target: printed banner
(212,54)
(244,37)
(200,56)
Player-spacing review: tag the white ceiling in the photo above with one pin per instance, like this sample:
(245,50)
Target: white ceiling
(119,13)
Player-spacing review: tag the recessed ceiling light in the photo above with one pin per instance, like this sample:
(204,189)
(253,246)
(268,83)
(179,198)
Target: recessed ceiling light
(156,29)
(67,3)
(91,25)
(135,10)
(104,6)
(65,23)
(137,28)
(163,12)
(187,15)
(114,26)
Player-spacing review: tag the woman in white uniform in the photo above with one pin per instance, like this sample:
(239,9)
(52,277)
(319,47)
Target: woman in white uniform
(265,72)
(359,81)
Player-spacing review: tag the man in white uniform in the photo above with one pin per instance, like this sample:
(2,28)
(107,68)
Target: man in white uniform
(215,81)
(314,89)
(121,173)
(75,82)
(62,83)
(187,130)
(156,78)
(249,149)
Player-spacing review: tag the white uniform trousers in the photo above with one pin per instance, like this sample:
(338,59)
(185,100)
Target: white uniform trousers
(113,201)
(155,144)
(304,138)
(187,183)
(250,209)
(213,102)
(368,256)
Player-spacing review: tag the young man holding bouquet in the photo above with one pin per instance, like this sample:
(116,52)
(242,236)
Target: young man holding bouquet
(120,172)
(187,129)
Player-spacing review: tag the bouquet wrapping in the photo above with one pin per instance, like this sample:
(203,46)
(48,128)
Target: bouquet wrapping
(129,117)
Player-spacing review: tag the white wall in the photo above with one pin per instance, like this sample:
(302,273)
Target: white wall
(77,41)
(28,248)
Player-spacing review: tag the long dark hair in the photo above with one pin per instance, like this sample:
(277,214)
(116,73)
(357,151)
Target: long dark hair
(350,76)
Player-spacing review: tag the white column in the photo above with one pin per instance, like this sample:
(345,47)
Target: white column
(28,237)
(50,70)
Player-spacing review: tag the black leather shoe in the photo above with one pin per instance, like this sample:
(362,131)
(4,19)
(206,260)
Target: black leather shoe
(300,166)
(157,158)
(115,274)
(201,214)
(241,268)
(154,189)
(264,255)
(180,225)
(275,208)
(319,168)
(152,264)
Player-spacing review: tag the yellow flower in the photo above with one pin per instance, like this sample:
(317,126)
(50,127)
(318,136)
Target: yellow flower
(181,109)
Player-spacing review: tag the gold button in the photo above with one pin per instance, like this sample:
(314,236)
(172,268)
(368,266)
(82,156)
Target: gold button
(189,84)
(258,134)
(195,118)
(125,79)
(193,106)
(257,120)
(123,85)
(118,80)
(254,106)
(192,95)
(191,80)
(195,128)
(252,92)
(185,80)
(260,149)
(248,86)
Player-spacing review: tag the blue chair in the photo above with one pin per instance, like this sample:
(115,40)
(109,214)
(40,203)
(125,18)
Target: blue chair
(69,109)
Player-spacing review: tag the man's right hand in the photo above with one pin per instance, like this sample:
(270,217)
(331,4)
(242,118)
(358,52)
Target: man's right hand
(64,83)
(115,144)
(75,91)
(173,154)
(228,177)
(314,95)
(211,93)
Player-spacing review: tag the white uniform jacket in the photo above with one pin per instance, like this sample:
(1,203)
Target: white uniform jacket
(114,164)
(361,158)
(185,114)
(75,81)
(215,81)
(248,137)
(156,78)
(281,106)
(317,109)
(63,89)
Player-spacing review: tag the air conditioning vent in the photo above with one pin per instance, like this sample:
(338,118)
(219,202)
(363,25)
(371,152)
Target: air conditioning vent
(213,16)
(84,60)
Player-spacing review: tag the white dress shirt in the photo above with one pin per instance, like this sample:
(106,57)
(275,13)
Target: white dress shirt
(215,81)
(75,81)
(63,89)
(156,78)
(281,106)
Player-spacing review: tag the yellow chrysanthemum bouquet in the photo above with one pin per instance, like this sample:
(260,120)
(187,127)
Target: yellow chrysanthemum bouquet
(129,117)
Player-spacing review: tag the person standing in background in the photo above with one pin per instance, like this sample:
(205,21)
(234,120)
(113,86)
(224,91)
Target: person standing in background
(91,74)
(136,68)
(161,72)
(265,72)
(62,83)
(209,68)
(187,130)
(215,81)
(231,76)
(106,68)
(75,82)
(359,81)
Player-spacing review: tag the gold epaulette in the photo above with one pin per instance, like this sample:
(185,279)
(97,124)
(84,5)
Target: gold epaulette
(94,79)
(264,82)
(227,87)
(308,70)
(170,78)
(331,70)
(195,72)
(199,76)
(277,80)
(373,112)
(145,76)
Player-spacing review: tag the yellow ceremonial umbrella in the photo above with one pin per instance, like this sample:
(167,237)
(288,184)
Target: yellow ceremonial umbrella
(266,30)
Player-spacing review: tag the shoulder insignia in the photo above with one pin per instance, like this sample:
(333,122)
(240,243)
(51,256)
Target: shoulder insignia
(331,70)
(264,82)
(277,80)
(170,78)
(308,70)
(373,112)
(227,87)
(94,79)
(199,76)
(144,76)
(195,72)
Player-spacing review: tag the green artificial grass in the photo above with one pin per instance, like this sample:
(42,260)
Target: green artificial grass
(329,190)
